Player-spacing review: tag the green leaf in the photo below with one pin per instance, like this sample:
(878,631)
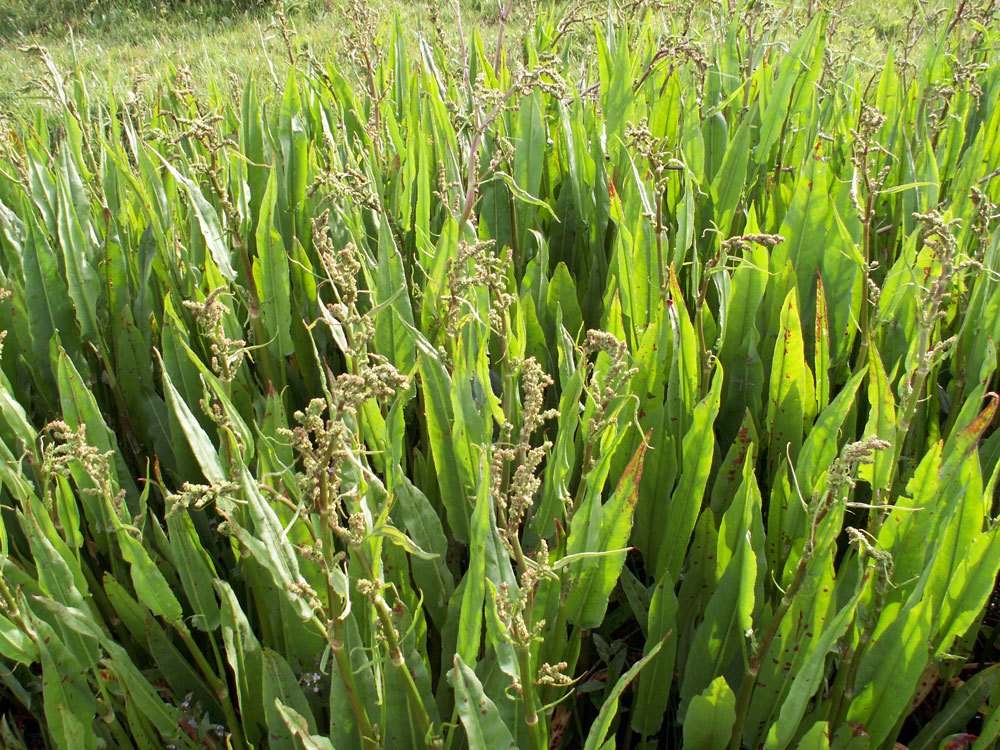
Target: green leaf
(208,221)
(469,634)
(817,738)
(270,272)
(69,704)
(809,676)
(719,639)
(678,517)
(436,385)
(727,186)
(483,726)
(201,445)
(298,725)
(890,670)
(958,711)
(74,238)
(599,729)
(882,422)
(710,717)
(791,387)
(653,693)
(281,688)
(151,587)
(400,539)
(432,575)
(595,578)
(243,652)
(194,568)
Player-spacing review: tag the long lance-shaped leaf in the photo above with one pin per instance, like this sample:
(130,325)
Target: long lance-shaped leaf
(790,392)
(728,183)
(208,221)
(195,569)
(270,272)
(807,53)
(483,726)
(243,652)
(890,670)
(281,688)
(596,578)
(808,677)
(728,616)
(469,634)
(599,729)
(655,681)
(681,513)
(881,422)
(75,238)
(201,445)
(958,711)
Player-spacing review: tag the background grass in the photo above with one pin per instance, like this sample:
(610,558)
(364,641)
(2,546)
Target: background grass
(118,42)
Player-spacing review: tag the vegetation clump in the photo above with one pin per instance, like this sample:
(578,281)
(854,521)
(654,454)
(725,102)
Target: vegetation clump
(497,395)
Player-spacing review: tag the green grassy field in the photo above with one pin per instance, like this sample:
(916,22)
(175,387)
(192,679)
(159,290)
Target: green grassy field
(123,42)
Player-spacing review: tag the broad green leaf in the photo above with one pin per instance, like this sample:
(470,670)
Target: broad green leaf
(956,714)
(194,568)
(727,186)
(595,579)
(69,705)
(809,676)
(469,635)
(790,392)
(727,621)
(890,669)
(243,652)
(678,517)
(151,587)
(281,689)
(710,717)
(881,422)
(208,222)
(479,715)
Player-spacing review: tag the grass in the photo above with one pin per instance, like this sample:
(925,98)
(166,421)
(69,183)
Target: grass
(127,43)
(118,43)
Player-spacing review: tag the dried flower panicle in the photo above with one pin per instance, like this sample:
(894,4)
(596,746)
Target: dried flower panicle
(511,607)
(616,379)
(519,496)
(198,496)
(841,475)
(227,353)
(67,447)
(554,674)
(475,266)
(325,439)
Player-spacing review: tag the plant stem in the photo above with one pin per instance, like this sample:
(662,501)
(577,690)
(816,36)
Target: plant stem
(413,696)
(217,684)
(528,698)
(334,627)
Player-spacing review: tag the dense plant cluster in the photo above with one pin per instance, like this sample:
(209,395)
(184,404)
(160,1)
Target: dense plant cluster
(509,396)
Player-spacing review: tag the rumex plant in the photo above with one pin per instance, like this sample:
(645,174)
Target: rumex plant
(503,396)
